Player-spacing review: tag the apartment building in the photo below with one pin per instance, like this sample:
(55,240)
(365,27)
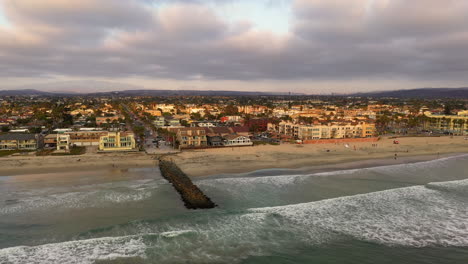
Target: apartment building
(457,124)
(191,137)
(332,130)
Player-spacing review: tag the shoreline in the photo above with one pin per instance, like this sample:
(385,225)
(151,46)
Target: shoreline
(314,157)
(216,162)
(341,166)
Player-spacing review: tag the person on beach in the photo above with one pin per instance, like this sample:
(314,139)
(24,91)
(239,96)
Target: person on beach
(395,156)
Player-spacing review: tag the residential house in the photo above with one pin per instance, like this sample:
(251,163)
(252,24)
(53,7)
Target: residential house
(86,138)
(50,141)
(16,141)
(236,140)
(63,142)
(159,122)
(117,141)
(106,119)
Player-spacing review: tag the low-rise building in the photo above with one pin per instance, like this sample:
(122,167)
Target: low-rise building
(191,137)
(63,142)
(117,141)
(159,122)
(17,141)
(107,119)
(236,141)
(85,138)
(50,141)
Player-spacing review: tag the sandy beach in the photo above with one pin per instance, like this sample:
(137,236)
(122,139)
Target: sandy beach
(47,164)
(200,163)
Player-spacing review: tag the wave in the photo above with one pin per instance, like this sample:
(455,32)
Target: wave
(409,169)
(88,196)
(85,251)
(412,217)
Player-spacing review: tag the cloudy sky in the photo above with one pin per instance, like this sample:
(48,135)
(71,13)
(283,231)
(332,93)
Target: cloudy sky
(313,46)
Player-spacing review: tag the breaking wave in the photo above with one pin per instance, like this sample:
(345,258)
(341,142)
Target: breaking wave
(420,216)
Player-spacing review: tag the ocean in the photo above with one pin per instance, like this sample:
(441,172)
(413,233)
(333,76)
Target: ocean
(408,213)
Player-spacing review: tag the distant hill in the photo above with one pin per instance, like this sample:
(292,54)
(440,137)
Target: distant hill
(79,87)
(22,92)
(420,93)
(191,93)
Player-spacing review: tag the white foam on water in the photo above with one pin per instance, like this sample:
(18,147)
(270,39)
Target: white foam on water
(460,186)
(171,234)
(84,251)
(412,216)
(283,180)
(89,196)
(278,181)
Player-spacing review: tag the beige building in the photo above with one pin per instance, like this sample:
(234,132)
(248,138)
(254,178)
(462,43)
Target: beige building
(85,138)
(332,130)
(63,142)
(117,141)
(191,137)
(457,124)
(12,141)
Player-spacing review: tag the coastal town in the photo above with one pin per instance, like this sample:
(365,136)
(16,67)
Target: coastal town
(76,125)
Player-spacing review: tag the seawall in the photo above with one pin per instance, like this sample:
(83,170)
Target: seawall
(191,195)
(337,141)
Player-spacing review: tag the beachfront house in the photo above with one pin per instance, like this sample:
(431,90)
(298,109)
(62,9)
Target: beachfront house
(85,138)
(16,141)
(215,140)
(236,141)
(117,141)
(191,137)
(63,142)
(50,141)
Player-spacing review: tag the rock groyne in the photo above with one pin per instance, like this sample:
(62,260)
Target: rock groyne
(192,196)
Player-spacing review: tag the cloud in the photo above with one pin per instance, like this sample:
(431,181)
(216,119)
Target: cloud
(329,41)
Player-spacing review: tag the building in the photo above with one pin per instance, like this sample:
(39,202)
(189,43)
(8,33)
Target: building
(63,142)
(456,124)
(215,140)
(205,124)
(50,141)
(159,122)
(85,138)
(331,130)
(226,119)
(191,137)
(236,141)
(17,141)
(117,141)
(154,112)
(107,119)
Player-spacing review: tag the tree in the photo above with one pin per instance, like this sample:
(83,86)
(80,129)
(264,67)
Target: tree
(184,123)
(231,110)
(5,129)
(447,110)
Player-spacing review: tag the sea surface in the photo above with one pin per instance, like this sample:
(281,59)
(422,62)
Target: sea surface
(409,213)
